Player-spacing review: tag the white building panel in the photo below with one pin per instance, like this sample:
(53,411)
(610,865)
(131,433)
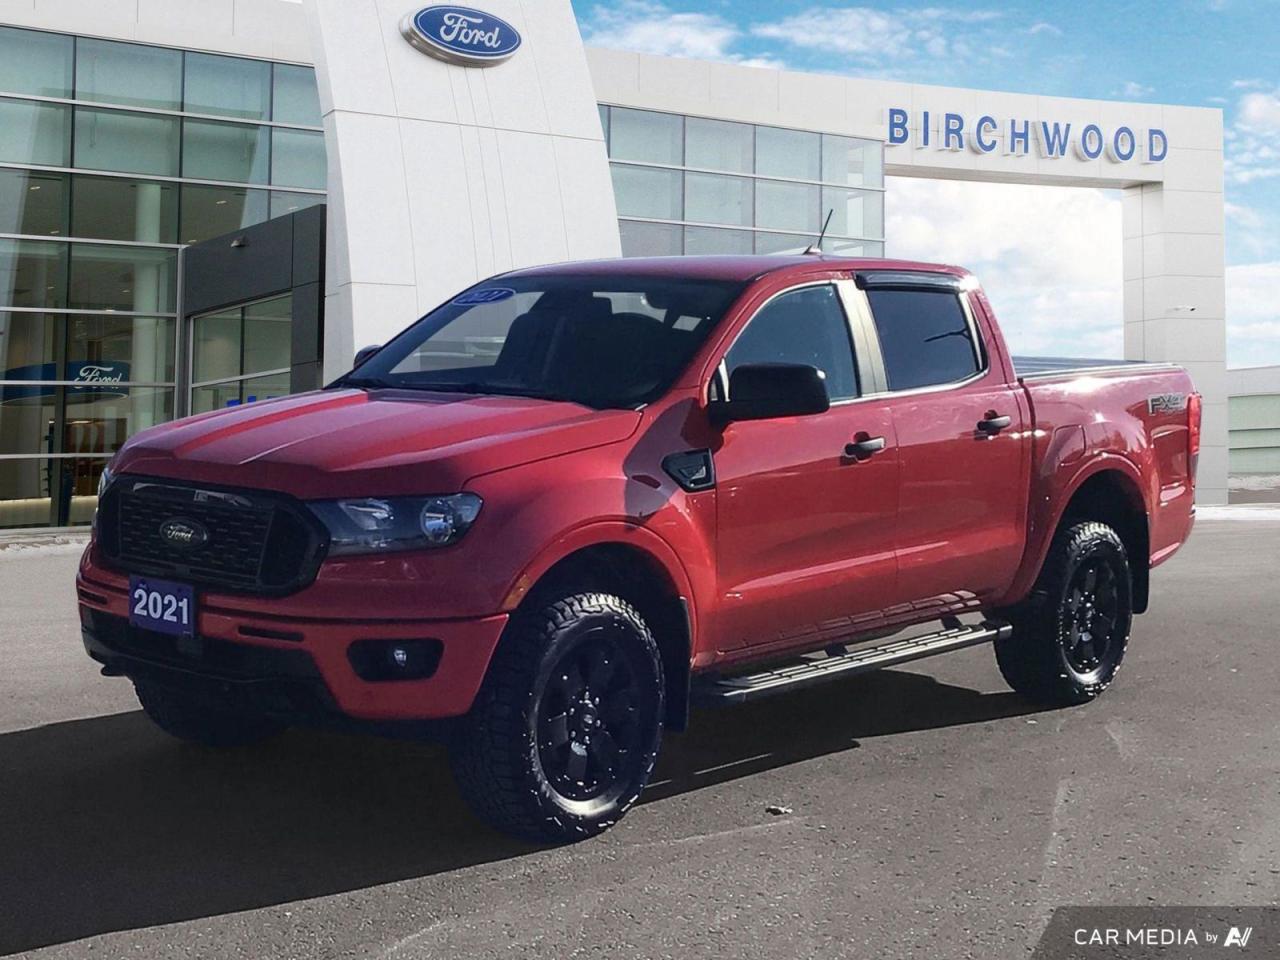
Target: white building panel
(503,158)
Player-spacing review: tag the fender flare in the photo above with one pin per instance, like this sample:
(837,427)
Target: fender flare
(679,659)
(1034,557)
(600,533)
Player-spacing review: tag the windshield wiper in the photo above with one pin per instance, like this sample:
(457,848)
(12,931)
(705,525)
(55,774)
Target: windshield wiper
(472,387)
(480,387)
(365,383)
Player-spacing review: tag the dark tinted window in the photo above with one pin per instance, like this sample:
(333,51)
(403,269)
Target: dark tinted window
(925,337)
(805,326)
(598,340)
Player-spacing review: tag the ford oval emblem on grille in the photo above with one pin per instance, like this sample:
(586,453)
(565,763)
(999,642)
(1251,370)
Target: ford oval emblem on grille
(183,533)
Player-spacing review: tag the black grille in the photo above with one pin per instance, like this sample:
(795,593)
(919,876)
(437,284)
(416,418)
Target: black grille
(245,541)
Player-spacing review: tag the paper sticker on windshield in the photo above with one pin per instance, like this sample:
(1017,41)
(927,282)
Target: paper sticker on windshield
(484,295)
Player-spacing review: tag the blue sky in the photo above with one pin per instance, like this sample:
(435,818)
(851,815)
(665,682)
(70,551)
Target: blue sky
(1214,53)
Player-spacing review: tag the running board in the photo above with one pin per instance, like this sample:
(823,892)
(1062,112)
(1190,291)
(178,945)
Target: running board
(722,690)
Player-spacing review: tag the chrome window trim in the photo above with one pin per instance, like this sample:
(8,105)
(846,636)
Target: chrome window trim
(982,353)
(865,343)
(720,375)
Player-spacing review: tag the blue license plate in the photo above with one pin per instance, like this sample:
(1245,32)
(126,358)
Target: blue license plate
(162,605)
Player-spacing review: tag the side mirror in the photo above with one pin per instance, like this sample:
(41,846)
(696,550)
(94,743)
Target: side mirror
(765,391)
(364,353)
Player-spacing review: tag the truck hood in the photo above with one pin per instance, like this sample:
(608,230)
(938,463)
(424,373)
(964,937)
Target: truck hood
(345,443)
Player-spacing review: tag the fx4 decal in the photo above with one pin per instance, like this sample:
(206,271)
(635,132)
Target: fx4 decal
(1167,403)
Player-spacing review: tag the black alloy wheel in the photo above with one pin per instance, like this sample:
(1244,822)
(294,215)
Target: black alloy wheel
(590,731)
(1070,636)
(1093,607)
(563,736)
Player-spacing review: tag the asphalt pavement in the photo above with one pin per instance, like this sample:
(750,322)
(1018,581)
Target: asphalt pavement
(932,812)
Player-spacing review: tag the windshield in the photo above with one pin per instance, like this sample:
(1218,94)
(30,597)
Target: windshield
(600,341)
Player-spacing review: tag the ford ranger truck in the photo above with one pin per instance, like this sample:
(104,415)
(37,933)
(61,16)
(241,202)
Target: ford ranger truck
(575,500)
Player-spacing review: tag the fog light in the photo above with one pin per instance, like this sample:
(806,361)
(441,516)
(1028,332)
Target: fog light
(380,660)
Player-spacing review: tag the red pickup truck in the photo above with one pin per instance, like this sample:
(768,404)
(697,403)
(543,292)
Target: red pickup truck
(574,500)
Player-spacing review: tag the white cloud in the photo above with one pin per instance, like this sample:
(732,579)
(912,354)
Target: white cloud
(1253,314)
(647,27)
(1049,257)
(1042,27)
(879,37)
(1253,141)
(1134,90)
(1260,112)
(1245,216)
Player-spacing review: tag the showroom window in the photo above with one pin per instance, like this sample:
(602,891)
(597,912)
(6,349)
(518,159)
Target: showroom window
(693,185)
(112,156)
(241,355)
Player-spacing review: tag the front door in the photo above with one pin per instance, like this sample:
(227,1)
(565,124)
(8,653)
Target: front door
(805,546)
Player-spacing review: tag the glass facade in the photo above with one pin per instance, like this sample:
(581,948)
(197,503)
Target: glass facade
(112,156)
(241,354)
(691,185)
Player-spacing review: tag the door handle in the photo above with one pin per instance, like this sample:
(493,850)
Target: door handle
(992,424)
(863,446)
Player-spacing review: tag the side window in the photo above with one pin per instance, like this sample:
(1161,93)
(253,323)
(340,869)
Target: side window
(803,326)
(925,337)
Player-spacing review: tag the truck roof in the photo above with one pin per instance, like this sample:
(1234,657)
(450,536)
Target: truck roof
(740,268)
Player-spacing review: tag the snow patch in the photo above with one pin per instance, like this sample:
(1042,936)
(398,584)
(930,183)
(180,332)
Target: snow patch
(1246,512)
(37,546)
(1254,481)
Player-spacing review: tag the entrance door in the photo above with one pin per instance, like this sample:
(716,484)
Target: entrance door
(241,354)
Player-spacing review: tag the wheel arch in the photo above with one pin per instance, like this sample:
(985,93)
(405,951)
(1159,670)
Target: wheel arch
(1111,493)
(641,570)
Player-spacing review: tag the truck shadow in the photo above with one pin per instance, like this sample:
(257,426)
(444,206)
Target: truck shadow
(107,825)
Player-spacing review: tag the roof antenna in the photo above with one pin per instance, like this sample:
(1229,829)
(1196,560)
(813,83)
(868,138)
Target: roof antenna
(816,246)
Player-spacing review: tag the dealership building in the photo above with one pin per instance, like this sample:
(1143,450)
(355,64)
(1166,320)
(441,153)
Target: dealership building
(211,202)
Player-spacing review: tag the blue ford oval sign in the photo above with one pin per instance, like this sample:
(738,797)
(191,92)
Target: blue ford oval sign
(461,35)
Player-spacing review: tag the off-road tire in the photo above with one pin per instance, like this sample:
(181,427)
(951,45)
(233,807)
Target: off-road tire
(1043,659)
(515,753)
(203,723)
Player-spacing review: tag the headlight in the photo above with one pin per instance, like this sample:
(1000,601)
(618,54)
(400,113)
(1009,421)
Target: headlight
(104,481)
(382,524)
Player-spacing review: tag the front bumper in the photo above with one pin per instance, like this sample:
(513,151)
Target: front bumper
(285,665)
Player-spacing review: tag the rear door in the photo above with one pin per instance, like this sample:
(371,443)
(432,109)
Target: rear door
(805,544)
(963,454)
